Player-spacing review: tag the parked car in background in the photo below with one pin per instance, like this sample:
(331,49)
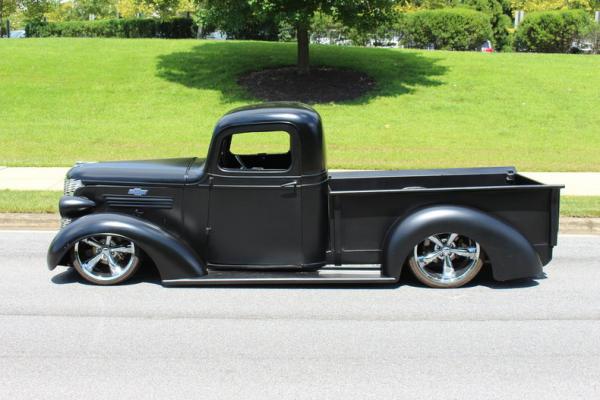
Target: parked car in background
(18,34)
(582,47)
(487,47)
(217,35)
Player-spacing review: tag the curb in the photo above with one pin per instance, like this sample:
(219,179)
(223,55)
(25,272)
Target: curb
(16,221)
(588,226)
(25,221)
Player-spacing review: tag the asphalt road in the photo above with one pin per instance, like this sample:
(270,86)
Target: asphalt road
(535,339)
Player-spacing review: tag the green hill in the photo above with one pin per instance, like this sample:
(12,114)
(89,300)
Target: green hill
(63,100)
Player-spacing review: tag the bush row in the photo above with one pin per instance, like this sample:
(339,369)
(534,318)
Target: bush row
(449,28)
(175,28)
(466,29)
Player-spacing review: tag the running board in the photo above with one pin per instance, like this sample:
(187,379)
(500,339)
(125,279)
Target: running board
(321,276)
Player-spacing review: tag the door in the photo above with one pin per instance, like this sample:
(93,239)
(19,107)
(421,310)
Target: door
(255,204)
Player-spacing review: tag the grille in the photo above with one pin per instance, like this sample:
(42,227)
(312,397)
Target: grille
(71,185)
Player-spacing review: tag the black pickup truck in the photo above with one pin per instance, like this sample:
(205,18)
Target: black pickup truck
(244,216)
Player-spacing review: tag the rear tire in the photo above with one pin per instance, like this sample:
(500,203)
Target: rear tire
(106,259)
(446,260)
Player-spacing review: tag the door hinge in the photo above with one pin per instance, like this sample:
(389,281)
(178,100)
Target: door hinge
(510,176)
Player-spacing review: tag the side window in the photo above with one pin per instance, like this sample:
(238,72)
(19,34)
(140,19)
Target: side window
(256,151)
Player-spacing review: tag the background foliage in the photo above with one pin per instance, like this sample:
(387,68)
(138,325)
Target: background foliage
(173,28)
(552,31)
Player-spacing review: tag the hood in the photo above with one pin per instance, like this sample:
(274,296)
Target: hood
(172,171)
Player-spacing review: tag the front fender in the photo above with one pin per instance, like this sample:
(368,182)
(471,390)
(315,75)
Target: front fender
(510,253)
(174,259)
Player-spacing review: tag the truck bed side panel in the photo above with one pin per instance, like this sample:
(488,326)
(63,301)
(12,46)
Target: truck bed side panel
(364,218)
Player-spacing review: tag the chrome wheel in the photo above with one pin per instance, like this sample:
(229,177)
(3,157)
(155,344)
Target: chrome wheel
(446,260)
(105,259)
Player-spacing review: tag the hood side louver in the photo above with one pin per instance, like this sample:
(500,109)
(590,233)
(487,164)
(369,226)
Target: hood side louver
(125,201)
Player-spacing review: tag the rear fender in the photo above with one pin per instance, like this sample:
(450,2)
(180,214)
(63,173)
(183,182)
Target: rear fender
(510,253)
(174,259)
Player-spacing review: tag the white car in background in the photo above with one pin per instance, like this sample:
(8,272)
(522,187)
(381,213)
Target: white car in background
(18,34)
(217,35)
(582,47)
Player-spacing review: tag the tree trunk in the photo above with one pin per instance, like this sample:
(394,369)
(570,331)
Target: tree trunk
(302,36)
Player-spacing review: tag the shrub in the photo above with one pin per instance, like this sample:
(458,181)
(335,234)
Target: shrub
(551,31)
(499,12)
(176,28)
(34,28)
(448,28)
(592,35)
(126,28)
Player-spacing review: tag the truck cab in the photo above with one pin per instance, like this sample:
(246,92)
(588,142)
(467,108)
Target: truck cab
(266,209)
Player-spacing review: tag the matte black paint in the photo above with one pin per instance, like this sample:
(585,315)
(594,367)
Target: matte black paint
(525,205)
(73,207)
(494,236)
(203,224)
(147,172)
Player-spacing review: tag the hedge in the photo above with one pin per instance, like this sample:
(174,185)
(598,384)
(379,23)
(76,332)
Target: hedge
(447,28)
(175,28)
(551,31)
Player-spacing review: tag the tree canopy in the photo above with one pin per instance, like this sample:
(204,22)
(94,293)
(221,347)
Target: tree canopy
(235,15)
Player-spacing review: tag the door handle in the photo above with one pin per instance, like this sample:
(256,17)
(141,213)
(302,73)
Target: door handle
(291,185)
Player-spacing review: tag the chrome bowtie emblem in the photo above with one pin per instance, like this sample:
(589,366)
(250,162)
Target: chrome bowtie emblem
(138,191)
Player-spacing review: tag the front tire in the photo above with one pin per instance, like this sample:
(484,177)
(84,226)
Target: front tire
(106,259)
(446,260)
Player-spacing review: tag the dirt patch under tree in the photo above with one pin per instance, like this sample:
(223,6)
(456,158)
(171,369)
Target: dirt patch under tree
(320,85)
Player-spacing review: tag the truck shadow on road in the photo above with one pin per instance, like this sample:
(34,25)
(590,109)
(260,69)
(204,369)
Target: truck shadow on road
(218,65)
(70,276)
(150,275)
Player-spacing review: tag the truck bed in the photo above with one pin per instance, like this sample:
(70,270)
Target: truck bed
(366,203)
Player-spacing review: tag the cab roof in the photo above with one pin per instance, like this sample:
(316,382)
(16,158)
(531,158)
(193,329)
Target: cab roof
(305,120)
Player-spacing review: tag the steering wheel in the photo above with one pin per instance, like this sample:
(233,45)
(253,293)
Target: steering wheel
(239,160)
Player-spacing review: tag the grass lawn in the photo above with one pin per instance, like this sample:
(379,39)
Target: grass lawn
(63,100)
(35,201)
(16,201)
(580,206)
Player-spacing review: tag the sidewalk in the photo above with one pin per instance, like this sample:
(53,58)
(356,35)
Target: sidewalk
(27,178)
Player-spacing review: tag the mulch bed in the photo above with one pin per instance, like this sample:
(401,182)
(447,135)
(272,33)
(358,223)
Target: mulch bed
(320,85)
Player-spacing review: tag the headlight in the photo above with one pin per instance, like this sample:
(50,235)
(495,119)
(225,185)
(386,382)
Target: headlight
(71,185)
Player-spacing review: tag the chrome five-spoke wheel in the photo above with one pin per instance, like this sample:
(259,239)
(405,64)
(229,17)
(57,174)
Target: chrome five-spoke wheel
(446,260)
(105,259)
